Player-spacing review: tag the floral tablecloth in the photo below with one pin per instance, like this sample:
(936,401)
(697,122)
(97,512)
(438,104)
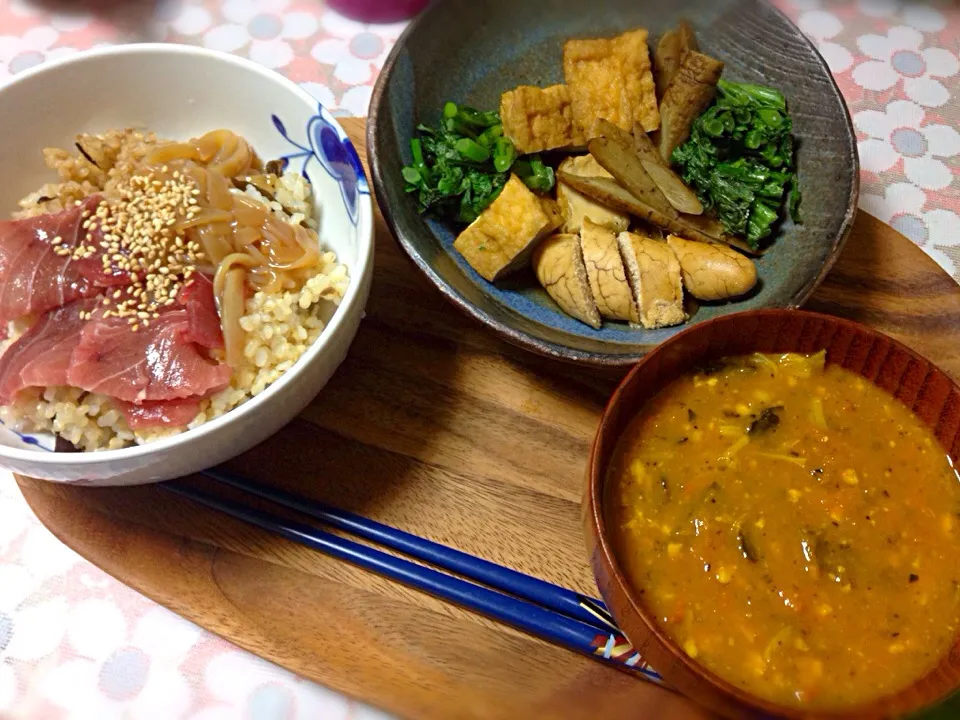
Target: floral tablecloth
(74,643)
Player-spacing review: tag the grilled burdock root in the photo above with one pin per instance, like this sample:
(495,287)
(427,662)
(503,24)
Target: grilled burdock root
(614,150)
(671,50)
(689,93)
(611,193)
(682,198)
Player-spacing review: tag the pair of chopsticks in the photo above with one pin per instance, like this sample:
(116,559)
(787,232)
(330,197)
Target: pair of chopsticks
(548,611)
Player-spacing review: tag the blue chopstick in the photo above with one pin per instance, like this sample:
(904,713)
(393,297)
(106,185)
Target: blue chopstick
(548,595)
(607,646)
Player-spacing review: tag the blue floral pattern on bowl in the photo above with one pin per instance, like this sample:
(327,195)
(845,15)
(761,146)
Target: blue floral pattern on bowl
(40,441)
(327,144)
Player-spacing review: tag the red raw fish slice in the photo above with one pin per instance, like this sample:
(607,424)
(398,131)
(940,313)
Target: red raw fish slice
(33,278)
(203,319)
(41,356)
(159,362)
(164,413)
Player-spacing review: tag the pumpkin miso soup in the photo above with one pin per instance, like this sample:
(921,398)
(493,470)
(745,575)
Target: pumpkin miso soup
(792,527)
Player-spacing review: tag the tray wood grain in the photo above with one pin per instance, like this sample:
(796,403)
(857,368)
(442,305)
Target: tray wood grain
(435,426)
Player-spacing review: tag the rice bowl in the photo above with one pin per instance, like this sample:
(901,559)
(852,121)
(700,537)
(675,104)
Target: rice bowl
(278,324)
(294,339)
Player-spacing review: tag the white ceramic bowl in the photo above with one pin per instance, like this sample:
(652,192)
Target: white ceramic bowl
(181,92)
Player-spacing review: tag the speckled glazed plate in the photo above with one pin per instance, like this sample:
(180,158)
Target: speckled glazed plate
(470,52)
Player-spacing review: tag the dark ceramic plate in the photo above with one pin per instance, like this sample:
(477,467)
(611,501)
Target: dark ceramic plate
(471,52)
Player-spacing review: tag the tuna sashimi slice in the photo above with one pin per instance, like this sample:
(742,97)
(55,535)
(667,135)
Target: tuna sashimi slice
(163,413)
(158,362)
(34,279)
(202,316)
(41,356)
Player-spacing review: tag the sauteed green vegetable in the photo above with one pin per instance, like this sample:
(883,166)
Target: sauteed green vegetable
(740,159)
(460,166)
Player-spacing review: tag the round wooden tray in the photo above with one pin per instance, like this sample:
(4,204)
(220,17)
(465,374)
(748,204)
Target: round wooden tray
(434,426)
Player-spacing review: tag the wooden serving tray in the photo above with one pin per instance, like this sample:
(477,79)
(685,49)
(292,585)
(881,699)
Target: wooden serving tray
(435,426)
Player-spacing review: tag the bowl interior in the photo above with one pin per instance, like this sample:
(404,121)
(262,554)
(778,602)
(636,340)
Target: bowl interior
(893,367)
(180,92)
(472,52)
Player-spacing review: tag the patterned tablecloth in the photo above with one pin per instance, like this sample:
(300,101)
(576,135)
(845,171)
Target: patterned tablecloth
(76,643)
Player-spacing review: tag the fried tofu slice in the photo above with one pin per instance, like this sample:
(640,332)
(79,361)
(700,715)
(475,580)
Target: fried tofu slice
(584,166)
(559,267)
(538,119)
(577,207)
(611,79)
(503,237)
(655,277)
(608,278)
(552,210)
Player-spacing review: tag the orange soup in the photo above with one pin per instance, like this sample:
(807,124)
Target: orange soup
(793,527)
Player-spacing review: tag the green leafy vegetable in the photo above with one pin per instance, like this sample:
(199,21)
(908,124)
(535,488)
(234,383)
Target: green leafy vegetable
(740,160)
(537,176)
(460,166)
(472,150)
(504,153)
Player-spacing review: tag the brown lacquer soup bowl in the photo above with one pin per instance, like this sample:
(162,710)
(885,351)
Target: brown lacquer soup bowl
(931,395)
